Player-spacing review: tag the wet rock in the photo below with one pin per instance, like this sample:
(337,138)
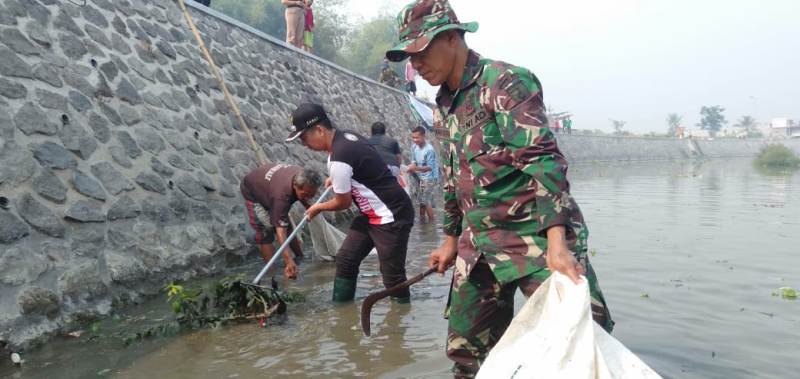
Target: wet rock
(40,217)
(47,73)
(113,181)
(100,128)
(11,228)
(21,266)
(129,115)
(79,102)
(82,283)
(39,301)
(12,90)
(128,93)
(54,156)
(120,157)
(191,187)
(85,185)
(161,168)
(85,211)
(151,182)
(129,144)
(124,208)
(51,100)
(49,186)
(72,46)
(123,268)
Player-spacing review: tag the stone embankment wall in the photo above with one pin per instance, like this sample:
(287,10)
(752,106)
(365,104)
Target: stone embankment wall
(119,158)
(581,148)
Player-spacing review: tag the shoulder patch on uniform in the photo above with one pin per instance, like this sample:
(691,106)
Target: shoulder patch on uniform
(351,137)
(518,90)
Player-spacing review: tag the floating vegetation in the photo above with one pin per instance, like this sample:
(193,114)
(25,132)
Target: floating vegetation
(777,156)
(787,293)
(218,303)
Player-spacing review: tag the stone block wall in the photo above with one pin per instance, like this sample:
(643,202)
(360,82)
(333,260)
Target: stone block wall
(119,158)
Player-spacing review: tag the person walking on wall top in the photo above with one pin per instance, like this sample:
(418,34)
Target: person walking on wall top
(295,21)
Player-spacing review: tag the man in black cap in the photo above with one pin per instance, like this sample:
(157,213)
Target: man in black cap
(358,174)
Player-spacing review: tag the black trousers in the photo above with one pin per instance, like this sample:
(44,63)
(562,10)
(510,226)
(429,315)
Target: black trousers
(391,241)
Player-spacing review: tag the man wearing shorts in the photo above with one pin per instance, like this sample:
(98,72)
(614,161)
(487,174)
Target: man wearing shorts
(359,175)
(269,192)
(424,164)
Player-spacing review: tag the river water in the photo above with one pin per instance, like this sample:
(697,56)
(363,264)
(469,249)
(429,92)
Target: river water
(688,256)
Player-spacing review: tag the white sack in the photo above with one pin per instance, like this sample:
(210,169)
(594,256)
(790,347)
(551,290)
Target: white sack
(554,336)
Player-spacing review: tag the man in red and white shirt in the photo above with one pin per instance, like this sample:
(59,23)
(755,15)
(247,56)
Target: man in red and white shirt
(359,175)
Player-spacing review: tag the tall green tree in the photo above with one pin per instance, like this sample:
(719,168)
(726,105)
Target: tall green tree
(673,122)
(366,48)
(712,119)
(332,28)
(264,15)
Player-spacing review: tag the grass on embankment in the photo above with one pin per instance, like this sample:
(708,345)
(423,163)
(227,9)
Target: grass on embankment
(777,156)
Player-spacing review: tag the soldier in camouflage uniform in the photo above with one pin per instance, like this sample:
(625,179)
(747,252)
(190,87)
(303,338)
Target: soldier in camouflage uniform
(509,217)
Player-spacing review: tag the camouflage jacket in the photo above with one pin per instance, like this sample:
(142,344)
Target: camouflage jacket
(505,179)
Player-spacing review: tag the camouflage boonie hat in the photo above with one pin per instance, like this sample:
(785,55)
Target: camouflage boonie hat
(419,22)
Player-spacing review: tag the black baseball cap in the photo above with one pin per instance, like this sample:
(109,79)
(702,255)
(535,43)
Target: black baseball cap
(304,117)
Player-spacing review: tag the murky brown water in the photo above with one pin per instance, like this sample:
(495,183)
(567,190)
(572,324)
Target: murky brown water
(707,243)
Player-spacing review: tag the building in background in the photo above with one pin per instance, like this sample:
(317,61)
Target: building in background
(784,126)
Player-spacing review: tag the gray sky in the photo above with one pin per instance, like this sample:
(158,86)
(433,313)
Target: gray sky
(637,60)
